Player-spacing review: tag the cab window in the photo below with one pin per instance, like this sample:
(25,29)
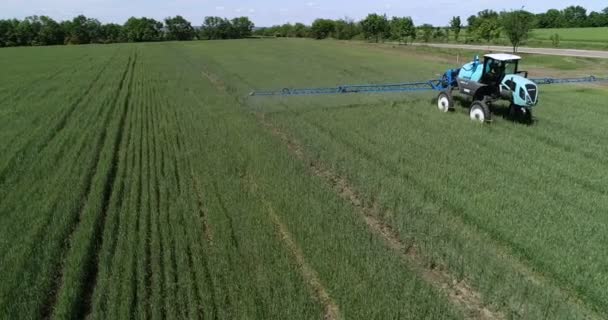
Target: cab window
(510,67)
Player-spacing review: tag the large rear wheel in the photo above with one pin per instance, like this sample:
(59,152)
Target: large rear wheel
(480,112)
(445,102)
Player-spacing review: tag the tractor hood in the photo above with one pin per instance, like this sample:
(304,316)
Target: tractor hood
(523,92)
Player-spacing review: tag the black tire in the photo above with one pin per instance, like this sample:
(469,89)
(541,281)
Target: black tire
(480,112)
(521,115)
(445,102)
(528,119)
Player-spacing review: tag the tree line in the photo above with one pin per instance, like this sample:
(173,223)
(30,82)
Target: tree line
(485,26)
(42,30)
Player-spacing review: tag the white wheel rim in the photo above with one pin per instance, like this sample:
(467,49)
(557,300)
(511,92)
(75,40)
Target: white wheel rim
(477,115)
(443,103)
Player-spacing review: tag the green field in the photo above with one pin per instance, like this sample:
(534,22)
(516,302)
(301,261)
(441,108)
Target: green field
(141,181)
(570,38)
(573,34)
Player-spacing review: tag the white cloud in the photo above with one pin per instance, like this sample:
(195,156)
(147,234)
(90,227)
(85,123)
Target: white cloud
(220,8)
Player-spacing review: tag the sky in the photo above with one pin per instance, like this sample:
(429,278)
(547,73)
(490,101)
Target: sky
(272,12)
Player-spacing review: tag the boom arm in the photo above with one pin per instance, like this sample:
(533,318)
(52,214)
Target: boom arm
(431,85)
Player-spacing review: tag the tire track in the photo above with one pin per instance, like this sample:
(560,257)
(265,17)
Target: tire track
(331,309)
(47,307)
(16,159)
(203,215)
(92,271)
(562,288)
(460,293)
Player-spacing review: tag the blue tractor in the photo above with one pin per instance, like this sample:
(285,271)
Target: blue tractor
(497,78)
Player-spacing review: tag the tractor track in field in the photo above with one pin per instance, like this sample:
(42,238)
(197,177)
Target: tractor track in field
(561,289)
(92,264)
(53,295)
(460,293)
(342,187)
(15,160)
(202,212)
(310,275)
(107,194)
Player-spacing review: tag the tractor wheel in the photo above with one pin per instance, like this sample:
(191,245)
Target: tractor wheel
(517,113)
(528,117)
(445,102)
(480,112)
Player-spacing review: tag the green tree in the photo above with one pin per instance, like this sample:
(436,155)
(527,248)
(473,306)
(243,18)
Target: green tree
(242,27)
(82,30)
(517,26)
(555,40)
(427,32)
(179,29)
(322,28)
(8,33)
(456,26)
(112,33)
(596,19)
(552,19)
(76,31)
(575,16)
(142,30)
(50,32)
(27,31)
(215,28)
(345,29)
(300,30)
(402,29)
(375,27)
(489,29)
(438,34)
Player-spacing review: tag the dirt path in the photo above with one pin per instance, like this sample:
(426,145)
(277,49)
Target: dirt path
(460,293)
(544,51)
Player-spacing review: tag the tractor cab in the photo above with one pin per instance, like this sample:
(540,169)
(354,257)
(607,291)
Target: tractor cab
(497,66)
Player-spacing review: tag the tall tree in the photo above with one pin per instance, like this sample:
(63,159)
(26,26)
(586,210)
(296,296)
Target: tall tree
(517,26)
(456,26)
(322,28)
(8,33)
(345,29)
(82,30)
(488,29)
(179,28)
(142,30)
(575,16)
(50,32)
(216,28)
(300,30)
(375,27)
(242,27)
(112,33)
(27,31)
(427,32)
(403,29)
(552,19)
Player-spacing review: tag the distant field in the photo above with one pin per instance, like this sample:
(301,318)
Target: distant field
(141,181)
(573,38)
(573,34)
